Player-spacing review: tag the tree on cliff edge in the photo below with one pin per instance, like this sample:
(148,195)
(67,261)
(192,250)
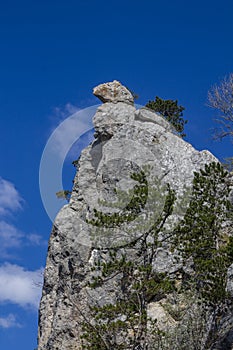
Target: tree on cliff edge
(170,110)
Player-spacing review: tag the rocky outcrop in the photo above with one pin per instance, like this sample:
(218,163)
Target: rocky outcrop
(126,140)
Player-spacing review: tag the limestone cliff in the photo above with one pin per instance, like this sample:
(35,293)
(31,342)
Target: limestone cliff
(127,140)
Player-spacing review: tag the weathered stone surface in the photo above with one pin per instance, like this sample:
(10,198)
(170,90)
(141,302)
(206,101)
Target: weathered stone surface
(113,92)
(126,140)
(156,311)
(147,115)
(110,117)
(166,262)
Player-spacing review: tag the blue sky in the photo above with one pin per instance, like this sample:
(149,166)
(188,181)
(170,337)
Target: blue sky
(52,55)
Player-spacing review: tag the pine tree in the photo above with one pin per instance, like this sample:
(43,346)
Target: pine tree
(125,324)
(201,235)
(171,111)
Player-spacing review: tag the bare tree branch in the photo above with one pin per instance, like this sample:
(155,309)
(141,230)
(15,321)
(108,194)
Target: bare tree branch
(220,97)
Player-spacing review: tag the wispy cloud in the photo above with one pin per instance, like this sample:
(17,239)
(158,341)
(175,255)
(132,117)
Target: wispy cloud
(10,237)
(35,239)
(20,286)
(61,113)
(10,199)
(9,322)
(10,202)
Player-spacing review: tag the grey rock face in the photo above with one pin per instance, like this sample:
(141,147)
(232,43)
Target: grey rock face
(229,286)
(126,140)
(110,117)
(147,115)
(113,92)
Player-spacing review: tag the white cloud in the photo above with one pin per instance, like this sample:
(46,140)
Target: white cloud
(10,236)
(20,286)
(61,113)
(10,199)
(36,240)
(9,322)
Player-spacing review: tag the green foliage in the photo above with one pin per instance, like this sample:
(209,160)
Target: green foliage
(125,323)
(200,234)
(171,111)
(131,210)
(199,237)
(64,194)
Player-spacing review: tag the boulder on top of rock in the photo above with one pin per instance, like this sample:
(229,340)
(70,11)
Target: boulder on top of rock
(113,92)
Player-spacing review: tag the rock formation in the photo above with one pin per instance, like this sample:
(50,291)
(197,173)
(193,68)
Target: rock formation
(126,141)
(113,92)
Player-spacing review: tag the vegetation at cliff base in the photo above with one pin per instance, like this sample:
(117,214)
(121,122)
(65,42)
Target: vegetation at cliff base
(201,240)
(201,235)
(126,323)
